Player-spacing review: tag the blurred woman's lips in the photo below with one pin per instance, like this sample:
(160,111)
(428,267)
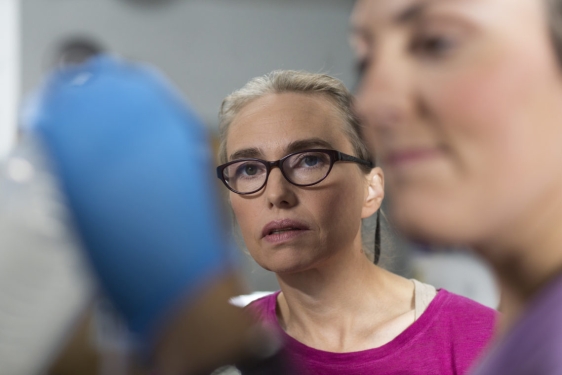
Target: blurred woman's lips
(283,230)
(410,156)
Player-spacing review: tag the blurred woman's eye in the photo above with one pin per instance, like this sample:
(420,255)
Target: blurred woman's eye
(361,67)
(433,45)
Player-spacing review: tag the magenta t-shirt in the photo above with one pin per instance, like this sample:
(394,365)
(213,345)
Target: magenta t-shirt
(446,339)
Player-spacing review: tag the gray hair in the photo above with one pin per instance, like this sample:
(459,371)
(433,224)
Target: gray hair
(283,81)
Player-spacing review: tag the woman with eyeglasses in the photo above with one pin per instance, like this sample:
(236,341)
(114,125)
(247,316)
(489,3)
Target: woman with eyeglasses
(301,181)
(462,101)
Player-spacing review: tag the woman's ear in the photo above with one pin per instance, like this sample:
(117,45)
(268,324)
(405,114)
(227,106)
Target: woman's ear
(374,192)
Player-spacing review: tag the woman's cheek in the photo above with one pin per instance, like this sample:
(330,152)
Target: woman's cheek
(340,210)
(484,111)
(243,216)
(479,101)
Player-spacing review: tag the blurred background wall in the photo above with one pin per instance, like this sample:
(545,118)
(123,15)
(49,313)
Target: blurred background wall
(210,48)
(10,40)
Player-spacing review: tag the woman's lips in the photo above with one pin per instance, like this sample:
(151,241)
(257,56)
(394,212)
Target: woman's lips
(283,230)
(280,237)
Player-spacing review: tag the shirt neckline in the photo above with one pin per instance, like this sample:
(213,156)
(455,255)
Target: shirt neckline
(393,347)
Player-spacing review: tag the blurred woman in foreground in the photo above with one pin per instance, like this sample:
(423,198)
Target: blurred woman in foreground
(463,106)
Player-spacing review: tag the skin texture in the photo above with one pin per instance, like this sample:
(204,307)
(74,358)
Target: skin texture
(322,272)
(463,107)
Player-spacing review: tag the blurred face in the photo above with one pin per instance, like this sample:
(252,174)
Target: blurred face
(285,227)
(462,100)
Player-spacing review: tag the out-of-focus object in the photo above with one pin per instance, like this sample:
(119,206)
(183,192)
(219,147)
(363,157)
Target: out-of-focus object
(135,167)
(44,283)
(76,50)
(134,164)
(9,72)
(245,299)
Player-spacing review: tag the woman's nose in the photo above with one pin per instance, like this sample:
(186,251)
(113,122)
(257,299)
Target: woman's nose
(385,89)
(384,98)
(278,191)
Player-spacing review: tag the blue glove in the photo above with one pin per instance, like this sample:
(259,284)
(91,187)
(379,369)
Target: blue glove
(136,169)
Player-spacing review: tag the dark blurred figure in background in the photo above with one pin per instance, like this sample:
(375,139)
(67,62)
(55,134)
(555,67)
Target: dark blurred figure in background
(462,102)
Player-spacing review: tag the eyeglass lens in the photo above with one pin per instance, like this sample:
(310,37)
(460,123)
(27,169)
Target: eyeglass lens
(301,169)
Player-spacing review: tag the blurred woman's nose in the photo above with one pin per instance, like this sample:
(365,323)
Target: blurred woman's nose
(278,191)
(385,90)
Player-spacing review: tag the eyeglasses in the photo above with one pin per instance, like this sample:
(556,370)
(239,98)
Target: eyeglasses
(303,168)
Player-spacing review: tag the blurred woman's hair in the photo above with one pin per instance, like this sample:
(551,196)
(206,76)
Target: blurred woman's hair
(291,81)
(554,11)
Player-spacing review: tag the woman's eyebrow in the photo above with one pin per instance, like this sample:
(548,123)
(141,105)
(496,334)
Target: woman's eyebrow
(304,144)
(411,13)
(414,12)
(246,153)
(301,144)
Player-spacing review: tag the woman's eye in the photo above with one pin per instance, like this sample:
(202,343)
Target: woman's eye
(248,169)
(310,161)
(433,46)
(361,67)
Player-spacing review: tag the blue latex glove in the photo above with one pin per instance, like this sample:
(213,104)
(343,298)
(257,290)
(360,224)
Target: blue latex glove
(135,166)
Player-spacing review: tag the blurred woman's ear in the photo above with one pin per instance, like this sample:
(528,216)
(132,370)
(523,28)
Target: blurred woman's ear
(374,192)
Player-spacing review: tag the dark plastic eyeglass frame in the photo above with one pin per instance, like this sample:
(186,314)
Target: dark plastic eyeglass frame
(334,155)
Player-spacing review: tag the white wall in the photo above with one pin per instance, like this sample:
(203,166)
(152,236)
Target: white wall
(9,72)
(207,47)
(459,272)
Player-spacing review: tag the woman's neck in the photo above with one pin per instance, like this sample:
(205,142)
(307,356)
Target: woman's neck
(338,305)
(526,256)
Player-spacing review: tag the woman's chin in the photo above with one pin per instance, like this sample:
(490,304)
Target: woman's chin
(285,268)
(285,263)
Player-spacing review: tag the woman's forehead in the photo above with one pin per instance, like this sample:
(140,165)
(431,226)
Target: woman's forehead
(371,19)
(277,121)
(384,12)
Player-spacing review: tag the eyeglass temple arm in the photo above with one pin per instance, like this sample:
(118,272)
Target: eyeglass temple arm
(345,157)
